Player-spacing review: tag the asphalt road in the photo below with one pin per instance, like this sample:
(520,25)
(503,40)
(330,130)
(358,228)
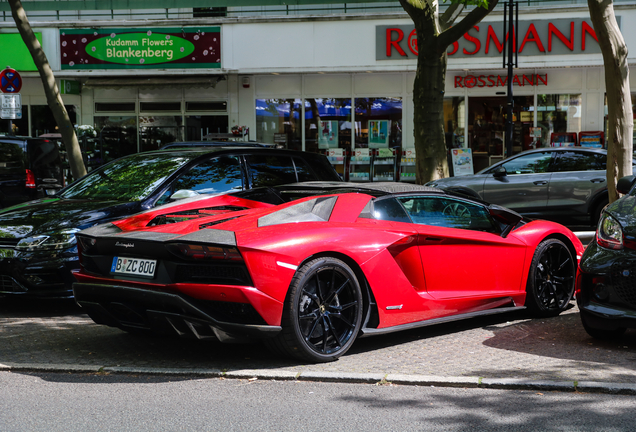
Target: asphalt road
(57,336)
(100,402)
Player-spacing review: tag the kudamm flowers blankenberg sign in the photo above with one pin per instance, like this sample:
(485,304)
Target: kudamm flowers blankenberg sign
(195,47)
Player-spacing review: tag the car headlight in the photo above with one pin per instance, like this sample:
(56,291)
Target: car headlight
(609,233)
(58,240)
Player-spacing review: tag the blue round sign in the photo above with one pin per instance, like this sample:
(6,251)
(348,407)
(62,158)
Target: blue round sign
(10,81)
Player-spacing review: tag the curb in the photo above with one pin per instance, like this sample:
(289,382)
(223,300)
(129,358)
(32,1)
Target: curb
(342,377)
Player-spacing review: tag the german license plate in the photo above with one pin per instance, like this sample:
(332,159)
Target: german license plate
(133,266)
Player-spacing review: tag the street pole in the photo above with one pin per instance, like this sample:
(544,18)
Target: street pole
(511,40)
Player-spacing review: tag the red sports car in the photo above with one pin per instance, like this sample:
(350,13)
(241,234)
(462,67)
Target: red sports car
(309,267)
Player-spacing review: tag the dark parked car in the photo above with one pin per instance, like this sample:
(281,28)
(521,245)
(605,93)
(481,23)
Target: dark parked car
(606,286)
(37,239)
(563,184)
(27,167)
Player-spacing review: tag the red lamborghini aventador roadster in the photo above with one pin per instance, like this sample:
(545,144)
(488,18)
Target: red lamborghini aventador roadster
(309,267)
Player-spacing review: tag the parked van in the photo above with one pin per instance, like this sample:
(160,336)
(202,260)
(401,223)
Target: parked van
(30,168)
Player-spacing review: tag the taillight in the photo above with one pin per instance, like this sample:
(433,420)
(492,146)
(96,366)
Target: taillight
(204,252)
(30,179)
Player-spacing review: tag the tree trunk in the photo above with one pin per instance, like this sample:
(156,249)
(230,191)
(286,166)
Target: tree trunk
(53,97)
(619,104)
(434,35)
(428,119)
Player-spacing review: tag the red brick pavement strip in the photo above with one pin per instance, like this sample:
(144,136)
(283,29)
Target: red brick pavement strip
(497,352)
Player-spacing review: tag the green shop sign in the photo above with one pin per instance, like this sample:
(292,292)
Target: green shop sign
(198,47)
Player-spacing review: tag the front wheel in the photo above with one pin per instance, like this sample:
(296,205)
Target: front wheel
(322,313)
(551,279)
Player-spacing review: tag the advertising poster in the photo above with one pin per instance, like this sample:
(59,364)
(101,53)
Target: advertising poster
(462,162)
(378,133)
(328,134)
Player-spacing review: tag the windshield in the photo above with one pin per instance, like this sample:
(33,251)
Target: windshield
(132,178)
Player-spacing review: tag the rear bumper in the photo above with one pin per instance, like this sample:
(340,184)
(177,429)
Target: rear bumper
(138,309)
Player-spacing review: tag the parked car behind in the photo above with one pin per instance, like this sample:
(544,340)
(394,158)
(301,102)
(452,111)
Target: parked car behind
(27,166)
(563,184)
(37,239)
(606,286)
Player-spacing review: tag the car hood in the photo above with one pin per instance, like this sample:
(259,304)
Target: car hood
(624,211)
(53,214)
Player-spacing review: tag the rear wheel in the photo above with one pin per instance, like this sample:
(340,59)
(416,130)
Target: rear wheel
(551,279)
(322,313)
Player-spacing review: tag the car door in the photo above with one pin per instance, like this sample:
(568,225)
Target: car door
(463,254)
(577,176)
(210,176)
(524,186)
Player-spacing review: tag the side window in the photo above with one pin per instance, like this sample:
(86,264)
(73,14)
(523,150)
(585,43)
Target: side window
(270,170)
(449,213)
(529,164)
(389,209)
(212,176)
(579,161)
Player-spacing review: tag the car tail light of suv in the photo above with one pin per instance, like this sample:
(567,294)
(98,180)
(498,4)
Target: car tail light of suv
(30,179)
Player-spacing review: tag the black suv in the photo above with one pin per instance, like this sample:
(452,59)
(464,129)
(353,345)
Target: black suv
(28,166)
(37,239)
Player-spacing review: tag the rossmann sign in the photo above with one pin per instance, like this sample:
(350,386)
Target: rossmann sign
(536,37)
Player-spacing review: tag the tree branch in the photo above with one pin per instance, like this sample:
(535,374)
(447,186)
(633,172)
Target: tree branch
(450,15)
(452,34)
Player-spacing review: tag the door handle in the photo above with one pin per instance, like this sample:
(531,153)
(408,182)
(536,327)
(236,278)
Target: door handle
(541,182)
(598,180)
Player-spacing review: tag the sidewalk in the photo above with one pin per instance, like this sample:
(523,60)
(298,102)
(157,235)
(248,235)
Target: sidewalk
(500,351)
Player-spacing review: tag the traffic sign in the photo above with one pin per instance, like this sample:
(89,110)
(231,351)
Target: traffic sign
(11,106)
(10,81)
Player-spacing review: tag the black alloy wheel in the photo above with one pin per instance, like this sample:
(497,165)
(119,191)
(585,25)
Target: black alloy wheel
(322,313)
(551,279)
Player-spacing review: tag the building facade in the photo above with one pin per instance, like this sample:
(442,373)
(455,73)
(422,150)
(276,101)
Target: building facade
(335,82)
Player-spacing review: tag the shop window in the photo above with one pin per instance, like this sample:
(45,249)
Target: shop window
(155,131)
(327,124)
(206,106)
(454,121)
(199,127)
(378,123)
(278,121)
(115,107)
(159,106)
(43,122)
(558,114)
(487,127)
(116,137)
(606,120)
(18,126)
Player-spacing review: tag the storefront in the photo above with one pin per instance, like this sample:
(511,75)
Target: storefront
(337,85)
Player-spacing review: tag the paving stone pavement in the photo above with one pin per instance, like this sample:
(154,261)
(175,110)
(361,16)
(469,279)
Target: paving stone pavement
(506,347)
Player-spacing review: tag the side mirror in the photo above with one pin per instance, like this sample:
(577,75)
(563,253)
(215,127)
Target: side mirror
(504,216)
(183,193)
(500,171)
(624,185)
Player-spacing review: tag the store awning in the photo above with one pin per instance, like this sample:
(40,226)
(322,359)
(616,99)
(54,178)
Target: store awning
(155,82)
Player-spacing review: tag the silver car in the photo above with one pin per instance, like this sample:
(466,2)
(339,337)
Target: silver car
(564,184)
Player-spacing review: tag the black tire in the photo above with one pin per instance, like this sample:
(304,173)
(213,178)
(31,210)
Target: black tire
(599,333)
(322,313)
(596,213)
(551,279)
